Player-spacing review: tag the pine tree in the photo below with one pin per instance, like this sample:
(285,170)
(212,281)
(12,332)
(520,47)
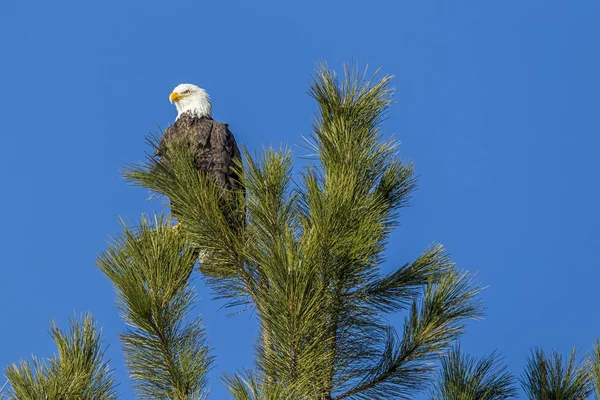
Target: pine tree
(306,256)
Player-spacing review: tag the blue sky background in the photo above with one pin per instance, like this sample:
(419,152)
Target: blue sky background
(497,104)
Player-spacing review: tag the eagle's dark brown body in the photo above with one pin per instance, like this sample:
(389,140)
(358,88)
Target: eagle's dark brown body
(215,147)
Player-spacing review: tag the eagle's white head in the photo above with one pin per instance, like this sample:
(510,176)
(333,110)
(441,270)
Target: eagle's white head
(191,99)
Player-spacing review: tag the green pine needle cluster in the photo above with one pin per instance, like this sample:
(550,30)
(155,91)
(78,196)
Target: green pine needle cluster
(77,372)
(167,355)
(548,377)
(463,377)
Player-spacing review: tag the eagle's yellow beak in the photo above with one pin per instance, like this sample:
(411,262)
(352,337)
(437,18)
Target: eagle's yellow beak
(175,96)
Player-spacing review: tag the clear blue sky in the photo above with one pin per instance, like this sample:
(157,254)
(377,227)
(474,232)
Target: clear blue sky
(497,103)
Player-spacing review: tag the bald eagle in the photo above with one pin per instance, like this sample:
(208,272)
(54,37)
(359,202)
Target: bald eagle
(214,144)
(215,148)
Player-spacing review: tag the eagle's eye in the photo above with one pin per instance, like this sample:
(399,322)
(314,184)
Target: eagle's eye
(187,91)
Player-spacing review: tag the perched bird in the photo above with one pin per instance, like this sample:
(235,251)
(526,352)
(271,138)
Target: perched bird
(215,148)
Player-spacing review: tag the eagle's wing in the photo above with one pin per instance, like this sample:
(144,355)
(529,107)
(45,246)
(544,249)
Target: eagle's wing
(222,153)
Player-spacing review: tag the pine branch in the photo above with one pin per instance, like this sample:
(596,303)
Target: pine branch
(166,353)
(466,378)
(396,291)
(349,204)
(287,292)
(77,372)
(405,366)
(547,377)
